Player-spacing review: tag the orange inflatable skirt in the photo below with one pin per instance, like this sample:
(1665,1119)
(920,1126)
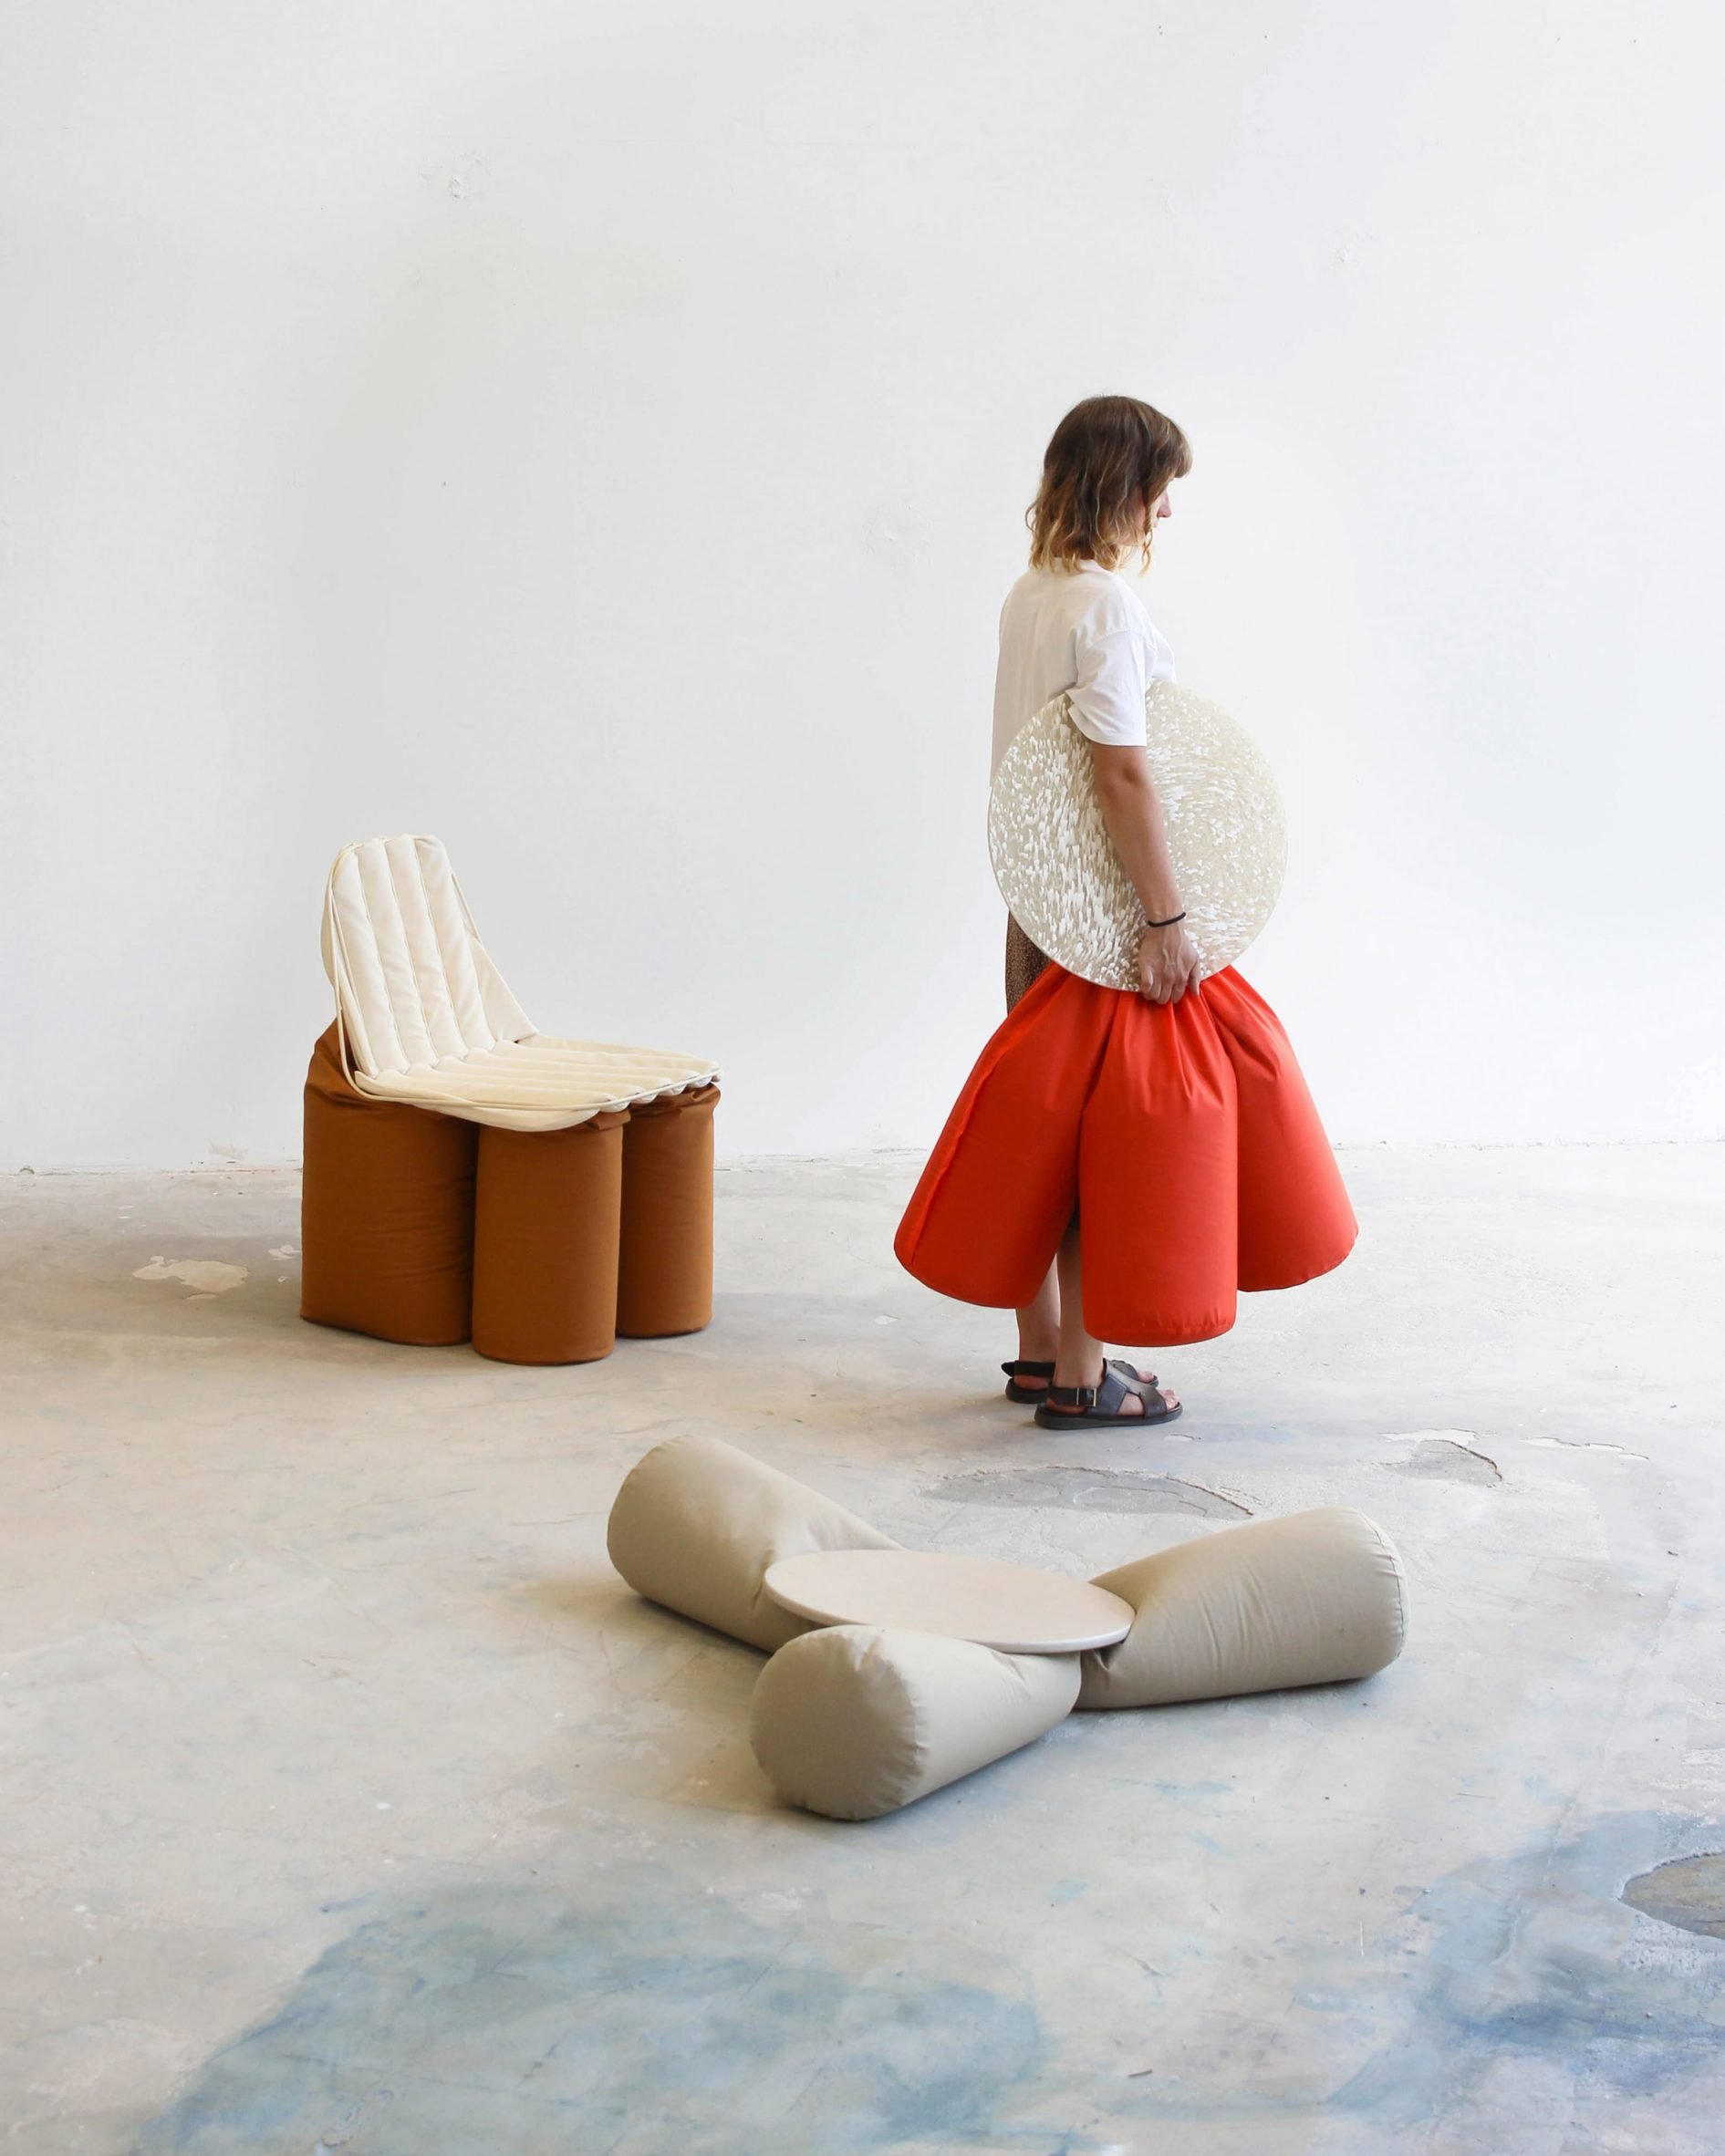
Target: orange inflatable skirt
(1181,1134)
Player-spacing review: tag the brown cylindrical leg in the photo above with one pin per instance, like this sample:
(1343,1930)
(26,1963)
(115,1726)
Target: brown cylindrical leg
(386,1213)
(545,1242)
(665,1269)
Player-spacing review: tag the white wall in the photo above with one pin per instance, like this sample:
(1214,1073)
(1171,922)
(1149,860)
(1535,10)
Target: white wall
(600,436)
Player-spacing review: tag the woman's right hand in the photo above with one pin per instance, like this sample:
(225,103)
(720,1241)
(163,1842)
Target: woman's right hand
(1168,964)
(1132,816)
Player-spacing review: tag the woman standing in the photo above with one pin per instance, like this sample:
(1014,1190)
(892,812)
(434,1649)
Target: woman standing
(1179,1114)
(1072,623)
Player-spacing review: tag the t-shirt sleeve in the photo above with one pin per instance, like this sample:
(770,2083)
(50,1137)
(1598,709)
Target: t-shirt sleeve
(1107,697)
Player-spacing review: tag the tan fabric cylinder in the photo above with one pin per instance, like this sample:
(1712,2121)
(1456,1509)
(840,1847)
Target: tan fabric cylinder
(1314,1598)
(544,1241)
(664,1281)
(856,1720)
(697,1523)
(386,1213)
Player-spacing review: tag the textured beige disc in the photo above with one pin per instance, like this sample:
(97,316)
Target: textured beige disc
(1057,870)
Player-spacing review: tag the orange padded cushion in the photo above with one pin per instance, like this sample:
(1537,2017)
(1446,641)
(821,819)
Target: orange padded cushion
(544,1241)
(664,1282)
(386,1213)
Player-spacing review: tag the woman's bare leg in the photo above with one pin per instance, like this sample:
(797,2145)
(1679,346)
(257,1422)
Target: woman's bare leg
(1039,1328)
(1080,1356)
(1039,1321)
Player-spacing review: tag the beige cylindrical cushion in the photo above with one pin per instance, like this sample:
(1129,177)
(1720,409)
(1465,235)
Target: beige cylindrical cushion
(854,1721)
(1311,1599)
(697,1523)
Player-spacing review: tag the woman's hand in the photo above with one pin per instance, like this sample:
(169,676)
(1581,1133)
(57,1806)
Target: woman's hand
(1168,964)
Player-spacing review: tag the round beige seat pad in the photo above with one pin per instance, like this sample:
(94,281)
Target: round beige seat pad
(1015,1609)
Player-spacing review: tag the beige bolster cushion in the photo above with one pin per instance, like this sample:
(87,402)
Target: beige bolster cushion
(1310,1599)
(697,1523)
(854,1721)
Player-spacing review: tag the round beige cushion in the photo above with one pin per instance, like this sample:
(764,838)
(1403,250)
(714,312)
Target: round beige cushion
(697,1523)
(1056,866)
(1314,1598)
(854,1721)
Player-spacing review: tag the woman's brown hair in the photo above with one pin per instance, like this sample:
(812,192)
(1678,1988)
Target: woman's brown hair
(1105,468)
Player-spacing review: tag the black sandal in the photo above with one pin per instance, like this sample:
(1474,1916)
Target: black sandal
(1024,1396)
(1098,1405)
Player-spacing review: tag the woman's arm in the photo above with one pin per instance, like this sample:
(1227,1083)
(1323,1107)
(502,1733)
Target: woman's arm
(1132,816)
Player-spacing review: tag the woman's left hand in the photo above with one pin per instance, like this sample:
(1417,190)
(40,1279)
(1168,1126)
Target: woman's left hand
(1168,964)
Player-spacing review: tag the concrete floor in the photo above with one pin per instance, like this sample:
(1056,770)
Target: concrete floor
(355,1805)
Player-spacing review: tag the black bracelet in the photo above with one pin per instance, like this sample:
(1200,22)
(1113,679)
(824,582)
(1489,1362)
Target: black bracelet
(1169,923)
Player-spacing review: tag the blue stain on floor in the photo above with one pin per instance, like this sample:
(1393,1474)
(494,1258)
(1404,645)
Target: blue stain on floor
(1530,1958)
(648,2016)
(642,2012)
(1536,1957)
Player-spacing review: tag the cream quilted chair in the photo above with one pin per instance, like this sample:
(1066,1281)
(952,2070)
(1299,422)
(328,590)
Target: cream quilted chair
(425,1018)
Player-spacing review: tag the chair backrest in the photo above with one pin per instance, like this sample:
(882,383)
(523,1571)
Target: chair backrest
(413,982)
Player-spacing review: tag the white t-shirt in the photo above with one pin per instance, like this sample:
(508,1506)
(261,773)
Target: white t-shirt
(1084,630)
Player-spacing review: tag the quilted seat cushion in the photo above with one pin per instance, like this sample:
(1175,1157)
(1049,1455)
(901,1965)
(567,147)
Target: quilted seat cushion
(540,1083)
(427,1019)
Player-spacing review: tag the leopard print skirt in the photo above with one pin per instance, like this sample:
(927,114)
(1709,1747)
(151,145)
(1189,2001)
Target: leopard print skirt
(1024,962)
